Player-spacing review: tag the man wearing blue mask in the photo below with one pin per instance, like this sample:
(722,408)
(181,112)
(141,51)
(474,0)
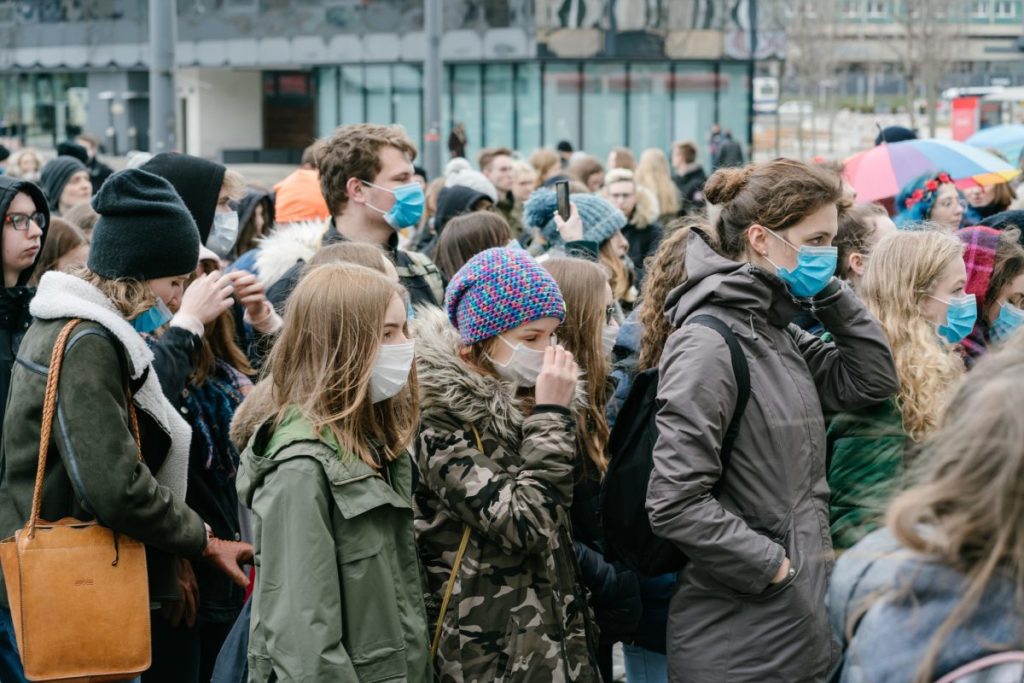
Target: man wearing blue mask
(367,178)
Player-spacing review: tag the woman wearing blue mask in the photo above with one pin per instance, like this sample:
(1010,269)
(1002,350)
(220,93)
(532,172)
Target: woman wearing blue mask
(995,276)
(751,598)
(914,285)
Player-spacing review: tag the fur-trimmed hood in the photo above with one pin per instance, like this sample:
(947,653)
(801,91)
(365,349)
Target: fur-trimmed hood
(285,246)
(65,296)
(449,387)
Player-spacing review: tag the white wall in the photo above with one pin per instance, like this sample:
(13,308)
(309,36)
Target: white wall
(223,110)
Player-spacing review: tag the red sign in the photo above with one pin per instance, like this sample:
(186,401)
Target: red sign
(965,117)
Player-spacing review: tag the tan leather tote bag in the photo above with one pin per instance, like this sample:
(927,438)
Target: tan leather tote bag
(78,592)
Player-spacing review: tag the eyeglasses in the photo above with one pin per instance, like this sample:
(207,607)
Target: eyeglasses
(20,221)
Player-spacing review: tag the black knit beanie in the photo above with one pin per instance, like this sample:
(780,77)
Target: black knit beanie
(73,149)
(144,230)
(197,181)
(56,174)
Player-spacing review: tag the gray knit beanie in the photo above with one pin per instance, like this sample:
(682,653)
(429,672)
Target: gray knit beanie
(56,174)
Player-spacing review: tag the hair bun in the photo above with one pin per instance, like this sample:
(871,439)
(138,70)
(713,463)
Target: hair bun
(724,184)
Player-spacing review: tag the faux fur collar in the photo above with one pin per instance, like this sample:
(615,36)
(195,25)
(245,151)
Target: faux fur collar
(65,296)
(448,386)
(285,246)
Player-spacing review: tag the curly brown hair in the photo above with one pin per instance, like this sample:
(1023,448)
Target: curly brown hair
(666,270)
(354,152)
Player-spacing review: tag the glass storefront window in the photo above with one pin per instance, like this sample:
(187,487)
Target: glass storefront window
(408,99)
(378,94)
(693,106)
(466,93)
(561,103)
(353,97)
(595,106)
(499,106)
(604,107)
(529,114)
(328,100)
(650,106)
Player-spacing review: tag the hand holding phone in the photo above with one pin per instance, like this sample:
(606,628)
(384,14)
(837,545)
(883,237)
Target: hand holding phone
(562,196)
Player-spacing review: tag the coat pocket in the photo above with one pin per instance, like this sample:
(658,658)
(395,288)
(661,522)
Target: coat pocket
(367,568)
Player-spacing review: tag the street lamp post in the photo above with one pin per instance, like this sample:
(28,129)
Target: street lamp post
(163,17)
(432,88)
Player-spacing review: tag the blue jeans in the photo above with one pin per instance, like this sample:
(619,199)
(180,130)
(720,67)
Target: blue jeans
(644,666)
(10,662)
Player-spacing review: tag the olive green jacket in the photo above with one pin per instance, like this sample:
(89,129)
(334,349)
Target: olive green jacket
(338,594)
(93,468)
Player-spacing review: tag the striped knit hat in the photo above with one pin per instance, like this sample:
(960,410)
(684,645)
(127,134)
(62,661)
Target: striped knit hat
(498,290)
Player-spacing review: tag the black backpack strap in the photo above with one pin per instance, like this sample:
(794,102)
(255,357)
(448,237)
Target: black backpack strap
(742,372)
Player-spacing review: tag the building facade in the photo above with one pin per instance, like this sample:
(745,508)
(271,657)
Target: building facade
(982,45)
(259,79)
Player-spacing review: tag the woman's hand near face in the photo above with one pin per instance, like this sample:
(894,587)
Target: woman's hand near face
(207,297)
(556,384)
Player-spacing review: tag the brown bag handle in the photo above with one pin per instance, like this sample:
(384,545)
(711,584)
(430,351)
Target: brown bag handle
(450,588)
(49,408)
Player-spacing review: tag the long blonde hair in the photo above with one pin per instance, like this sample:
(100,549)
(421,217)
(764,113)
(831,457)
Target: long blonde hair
(131,298)
(583,287)
(323,359)
(652,172)
(967,511)
(900,274)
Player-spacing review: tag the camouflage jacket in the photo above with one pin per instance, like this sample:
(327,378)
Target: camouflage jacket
(519,609)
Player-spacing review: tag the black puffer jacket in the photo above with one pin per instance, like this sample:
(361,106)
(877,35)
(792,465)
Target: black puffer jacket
(14,301)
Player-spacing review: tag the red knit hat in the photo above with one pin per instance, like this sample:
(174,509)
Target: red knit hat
(981,244)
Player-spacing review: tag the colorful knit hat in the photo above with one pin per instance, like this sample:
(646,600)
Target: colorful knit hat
(980,247)
(600,218)
(498,290)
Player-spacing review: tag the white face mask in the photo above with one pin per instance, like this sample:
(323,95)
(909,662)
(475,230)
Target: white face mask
(608,336)
(223,234)
(390,373)
(523,367)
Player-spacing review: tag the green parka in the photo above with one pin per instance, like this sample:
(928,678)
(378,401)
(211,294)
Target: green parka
(338,594)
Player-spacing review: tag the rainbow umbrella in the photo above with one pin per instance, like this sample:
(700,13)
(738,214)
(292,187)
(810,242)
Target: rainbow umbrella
(882,171)
(1008,139)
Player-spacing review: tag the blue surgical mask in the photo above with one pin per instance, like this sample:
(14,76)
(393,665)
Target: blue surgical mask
(1009,321)
(961,314)
(224,233)
(815,267)
(153,318)
(409,202)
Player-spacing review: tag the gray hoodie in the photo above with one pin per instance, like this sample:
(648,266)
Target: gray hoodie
(726,622)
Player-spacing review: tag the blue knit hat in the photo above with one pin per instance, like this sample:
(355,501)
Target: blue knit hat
(600,218)
(498,290)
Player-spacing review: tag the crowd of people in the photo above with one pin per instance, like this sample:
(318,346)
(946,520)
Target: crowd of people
(369,424)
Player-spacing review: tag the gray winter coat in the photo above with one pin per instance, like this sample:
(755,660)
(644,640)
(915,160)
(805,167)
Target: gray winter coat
(726,623)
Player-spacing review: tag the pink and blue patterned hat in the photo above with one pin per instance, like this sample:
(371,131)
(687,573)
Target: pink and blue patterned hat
(498,290)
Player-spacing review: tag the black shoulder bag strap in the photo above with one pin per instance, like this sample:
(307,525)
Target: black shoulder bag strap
(742,372)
